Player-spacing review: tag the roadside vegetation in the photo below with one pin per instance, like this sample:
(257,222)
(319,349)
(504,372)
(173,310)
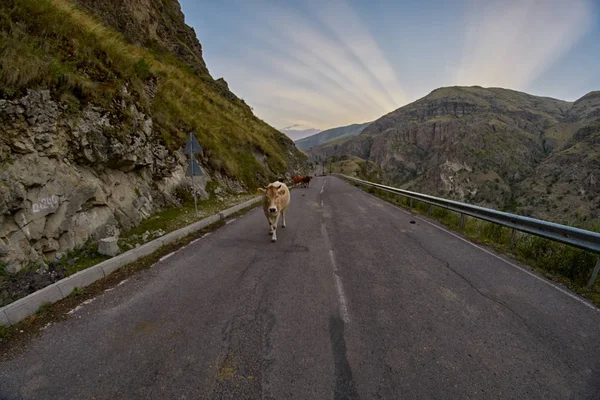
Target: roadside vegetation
(564,264)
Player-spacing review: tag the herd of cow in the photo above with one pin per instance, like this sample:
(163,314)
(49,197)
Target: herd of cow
(276,201)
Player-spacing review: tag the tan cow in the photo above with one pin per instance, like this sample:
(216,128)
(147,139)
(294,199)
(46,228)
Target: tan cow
(275,203)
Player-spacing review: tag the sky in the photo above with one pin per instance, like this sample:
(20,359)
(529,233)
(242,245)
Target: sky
(328,63)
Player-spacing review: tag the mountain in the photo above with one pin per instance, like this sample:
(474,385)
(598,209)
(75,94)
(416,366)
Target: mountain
(329,135)
(495,147)
(296,132)
(97,99)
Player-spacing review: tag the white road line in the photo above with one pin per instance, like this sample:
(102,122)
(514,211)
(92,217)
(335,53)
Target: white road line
(230,221)
(340,291)
(323,187)
(167,256)
(79,307)
(571,295)
(321,203)
(201,237)
(75,310)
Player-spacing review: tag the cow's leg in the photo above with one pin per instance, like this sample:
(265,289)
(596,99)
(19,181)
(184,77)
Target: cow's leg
(270,225)
(274,236)
(283,218)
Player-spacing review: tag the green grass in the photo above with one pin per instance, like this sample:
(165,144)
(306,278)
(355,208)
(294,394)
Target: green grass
(565,264)
(174,218)
(82,258)
(51,44)
(43,310)
(77,292)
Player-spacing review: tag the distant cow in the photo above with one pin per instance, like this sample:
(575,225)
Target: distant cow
(306,181)
(303,181)
(275,203)
(296,180)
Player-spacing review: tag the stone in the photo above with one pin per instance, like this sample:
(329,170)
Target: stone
(22,147)
(4,250)
(66,242)
(50,245)
(13,267)
(108,247)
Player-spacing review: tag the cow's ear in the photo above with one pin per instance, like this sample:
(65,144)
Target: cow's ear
(279,187)
(261,190)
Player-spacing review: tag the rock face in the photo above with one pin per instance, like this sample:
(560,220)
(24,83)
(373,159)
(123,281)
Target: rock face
(493,147)
(66,179)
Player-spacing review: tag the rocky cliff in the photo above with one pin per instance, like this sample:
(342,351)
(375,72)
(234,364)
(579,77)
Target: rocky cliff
(93,122)
(493,147)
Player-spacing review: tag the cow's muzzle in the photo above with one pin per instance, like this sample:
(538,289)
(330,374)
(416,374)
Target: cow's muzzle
(273,210)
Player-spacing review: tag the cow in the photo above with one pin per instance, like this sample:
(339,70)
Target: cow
(306,181)
(296,180)
(275,203)
(302,181)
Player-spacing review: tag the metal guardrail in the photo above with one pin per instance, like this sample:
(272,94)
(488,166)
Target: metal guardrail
(579,238)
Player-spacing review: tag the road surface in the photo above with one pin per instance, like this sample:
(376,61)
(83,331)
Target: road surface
(353,302)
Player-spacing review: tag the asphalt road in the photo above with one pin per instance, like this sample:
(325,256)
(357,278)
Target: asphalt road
(352,302)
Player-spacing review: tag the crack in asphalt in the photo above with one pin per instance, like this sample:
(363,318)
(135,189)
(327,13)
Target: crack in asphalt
(238,322)
(447,265)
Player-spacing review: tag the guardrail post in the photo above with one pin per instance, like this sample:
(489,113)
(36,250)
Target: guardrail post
(430,209)
(595,273)
(513,239)
(410,202)
(462,220)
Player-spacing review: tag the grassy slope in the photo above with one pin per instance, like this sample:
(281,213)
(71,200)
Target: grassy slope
(51,44)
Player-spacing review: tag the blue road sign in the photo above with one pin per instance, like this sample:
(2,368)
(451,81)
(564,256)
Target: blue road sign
(192,146)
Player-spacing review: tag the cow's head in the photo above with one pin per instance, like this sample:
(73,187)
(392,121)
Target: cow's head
(272,193)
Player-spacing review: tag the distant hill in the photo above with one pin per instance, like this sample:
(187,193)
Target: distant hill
(296,132)
(495,147)
(329,135)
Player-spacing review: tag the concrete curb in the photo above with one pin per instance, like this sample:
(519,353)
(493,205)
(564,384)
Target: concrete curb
(22,308)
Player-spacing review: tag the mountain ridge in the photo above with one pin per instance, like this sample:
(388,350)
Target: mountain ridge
(490,146)
(329,135)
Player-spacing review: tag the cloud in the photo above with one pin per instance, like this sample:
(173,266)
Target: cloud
(338,16)
(305,66)
(509,43)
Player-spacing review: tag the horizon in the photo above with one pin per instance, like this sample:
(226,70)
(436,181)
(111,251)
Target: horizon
(325,65)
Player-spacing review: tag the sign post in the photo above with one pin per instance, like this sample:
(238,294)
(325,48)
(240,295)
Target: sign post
(193,147)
